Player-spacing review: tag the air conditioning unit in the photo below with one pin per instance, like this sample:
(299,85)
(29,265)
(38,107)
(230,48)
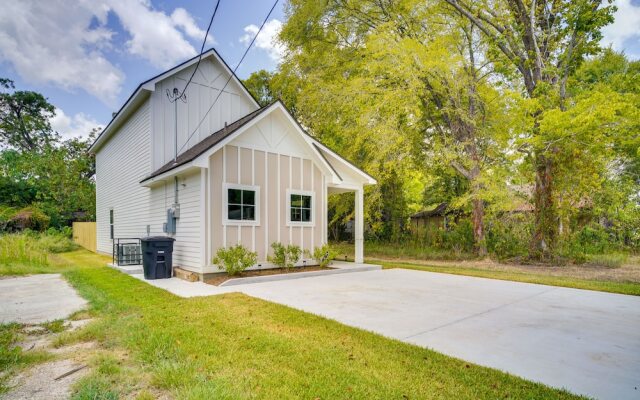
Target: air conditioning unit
(130,254)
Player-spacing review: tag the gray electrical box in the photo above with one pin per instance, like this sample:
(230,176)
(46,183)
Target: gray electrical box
(170,225)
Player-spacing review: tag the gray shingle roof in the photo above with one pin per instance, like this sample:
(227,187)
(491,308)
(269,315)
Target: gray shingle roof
(207,143)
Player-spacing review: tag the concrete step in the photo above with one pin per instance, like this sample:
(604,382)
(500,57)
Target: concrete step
(128,269)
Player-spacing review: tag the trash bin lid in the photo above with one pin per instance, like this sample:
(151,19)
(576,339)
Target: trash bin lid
(157,239)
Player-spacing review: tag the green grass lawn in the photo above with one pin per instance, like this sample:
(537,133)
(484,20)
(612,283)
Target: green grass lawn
(411,258)
(234,346)
(602,286)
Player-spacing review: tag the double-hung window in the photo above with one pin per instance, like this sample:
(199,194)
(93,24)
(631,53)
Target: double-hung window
(242,204)
(300,205)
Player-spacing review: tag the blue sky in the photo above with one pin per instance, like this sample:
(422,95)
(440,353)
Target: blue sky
(87,56)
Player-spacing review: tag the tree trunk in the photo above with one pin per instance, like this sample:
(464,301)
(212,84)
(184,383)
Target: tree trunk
(477,216)
(544,234)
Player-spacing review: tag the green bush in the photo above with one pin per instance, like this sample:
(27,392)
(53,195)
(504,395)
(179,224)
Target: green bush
(285,256)
(26,218)
(235,259)
(323,255)
(508,238)
(56,242)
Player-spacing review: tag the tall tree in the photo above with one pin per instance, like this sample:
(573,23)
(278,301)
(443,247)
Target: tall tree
(24,118)
(543,42)
(404,62)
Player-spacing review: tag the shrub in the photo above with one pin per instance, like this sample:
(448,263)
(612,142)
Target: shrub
(613,260)
(508,238)
(323,255)
(56,242)
(27,218)
(235,259)
(285,256)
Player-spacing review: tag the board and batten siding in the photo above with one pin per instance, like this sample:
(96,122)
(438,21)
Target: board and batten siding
(196,118)
(121,164)
(275,174)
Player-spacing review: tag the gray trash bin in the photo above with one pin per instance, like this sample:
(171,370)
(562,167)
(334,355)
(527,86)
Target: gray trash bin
(157,256)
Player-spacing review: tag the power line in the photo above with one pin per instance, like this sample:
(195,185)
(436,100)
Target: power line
(204,41)
(230,76)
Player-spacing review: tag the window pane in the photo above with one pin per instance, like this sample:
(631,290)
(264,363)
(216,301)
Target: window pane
(295,214)
(295,200)
(248,213)
(234,212)
(249,197)
(306,201)
(234,196)
(306,215)
(111,216)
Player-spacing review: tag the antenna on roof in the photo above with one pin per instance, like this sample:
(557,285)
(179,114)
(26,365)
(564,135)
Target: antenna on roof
(174,97)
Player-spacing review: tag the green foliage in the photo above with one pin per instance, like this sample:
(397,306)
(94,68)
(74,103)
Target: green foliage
(284,256)
(39,169)
(31,218)
(323,254)
(56,242)
(24,118)
(235,259)
(259,85)
(507,237)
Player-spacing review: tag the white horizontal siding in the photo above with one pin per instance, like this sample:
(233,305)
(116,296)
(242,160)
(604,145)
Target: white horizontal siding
(120,165)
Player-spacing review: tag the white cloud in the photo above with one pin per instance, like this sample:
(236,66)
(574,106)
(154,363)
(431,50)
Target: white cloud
(79,125)
(65,43)
(267,40)
(154,35)
(624,33)
(183,20)
(50,42)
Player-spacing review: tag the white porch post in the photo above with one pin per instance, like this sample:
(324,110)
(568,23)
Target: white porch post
(359,222)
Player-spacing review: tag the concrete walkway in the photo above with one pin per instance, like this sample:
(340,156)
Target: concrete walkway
(37,298)
(585,341)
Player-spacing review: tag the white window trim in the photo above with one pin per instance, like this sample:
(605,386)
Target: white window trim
(225,205)
(313,207)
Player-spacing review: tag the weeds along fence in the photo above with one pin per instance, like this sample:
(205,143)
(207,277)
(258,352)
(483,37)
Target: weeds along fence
(84,234)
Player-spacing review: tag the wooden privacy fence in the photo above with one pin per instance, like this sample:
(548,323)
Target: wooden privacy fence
(84,233)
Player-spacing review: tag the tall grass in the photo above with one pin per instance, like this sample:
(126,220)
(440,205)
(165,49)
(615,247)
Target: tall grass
(22,249)
(29,252)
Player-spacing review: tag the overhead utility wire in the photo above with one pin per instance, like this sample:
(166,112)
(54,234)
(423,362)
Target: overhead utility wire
(204,41)
(230,76)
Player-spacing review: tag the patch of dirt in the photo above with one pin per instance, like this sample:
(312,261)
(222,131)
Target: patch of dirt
(39,382)
(74,349)
(223,277)
(629,272)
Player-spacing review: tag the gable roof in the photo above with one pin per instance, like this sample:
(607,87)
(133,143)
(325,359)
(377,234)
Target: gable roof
(148,86)
(198,149)
(207,144)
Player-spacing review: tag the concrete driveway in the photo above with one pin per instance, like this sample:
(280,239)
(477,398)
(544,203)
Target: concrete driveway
(585,341)
(37,298)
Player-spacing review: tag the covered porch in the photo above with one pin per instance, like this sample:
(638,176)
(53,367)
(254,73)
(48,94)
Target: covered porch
(358,219)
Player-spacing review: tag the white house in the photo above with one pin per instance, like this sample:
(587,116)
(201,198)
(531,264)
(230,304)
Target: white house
(214,176)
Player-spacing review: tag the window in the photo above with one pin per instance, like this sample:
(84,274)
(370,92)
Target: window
(242,204)
(111,223)
(300,206)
